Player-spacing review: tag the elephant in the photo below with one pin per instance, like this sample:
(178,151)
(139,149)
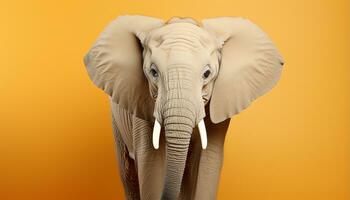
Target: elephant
(173,87)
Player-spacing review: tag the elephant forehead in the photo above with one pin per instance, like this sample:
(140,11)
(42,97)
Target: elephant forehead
(182,36)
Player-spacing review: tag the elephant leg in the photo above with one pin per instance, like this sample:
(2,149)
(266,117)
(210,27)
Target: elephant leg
(210,162)
(150,162)
(127,168)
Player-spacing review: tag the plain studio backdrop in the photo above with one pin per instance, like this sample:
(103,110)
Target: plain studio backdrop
(56,137)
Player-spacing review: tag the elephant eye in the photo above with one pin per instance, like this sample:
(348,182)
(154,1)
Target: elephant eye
(206,73)
(154,71)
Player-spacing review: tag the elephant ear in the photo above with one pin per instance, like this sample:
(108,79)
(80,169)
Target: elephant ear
(250,66)
(114,63)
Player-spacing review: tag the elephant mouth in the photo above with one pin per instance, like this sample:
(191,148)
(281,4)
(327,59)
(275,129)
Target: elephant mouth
(201,128)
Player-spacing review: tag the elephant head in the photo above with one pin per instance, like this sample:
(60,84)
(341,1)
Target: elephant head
(167,72)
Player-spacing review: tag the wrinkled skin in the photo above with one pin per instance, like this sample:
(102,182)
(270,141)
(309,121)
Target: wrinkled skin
(144,179)
(178,75)
(180,54)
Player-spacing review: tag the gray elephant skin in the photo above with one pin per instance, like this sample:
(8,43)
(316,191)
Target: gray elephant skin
(173,87)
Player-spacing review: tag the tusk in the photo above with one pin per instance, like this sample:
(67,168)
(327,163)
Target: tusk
(203,134)
(156,134)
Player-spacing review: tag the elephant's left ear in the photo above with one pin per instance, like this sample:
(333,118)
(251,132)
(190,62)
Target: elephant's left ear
(250,66)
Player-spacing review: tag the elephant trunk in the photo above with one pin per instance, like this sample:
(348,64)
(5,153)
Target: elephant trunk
(179,120)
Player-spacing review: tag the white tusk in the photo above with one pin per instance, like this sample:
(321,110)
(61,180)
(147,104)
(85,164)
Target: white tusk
(203,134)
(156,134)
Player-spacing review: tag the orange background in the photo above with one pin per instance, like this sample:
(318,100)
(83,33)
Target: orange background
(56,138)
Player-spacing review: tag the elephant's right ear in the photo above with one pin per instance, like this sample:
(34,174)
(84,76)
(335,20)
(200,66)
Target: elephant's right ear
(114,63)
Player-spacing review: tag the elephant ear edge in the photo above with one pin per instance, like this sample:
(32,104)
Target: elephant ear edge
(114,64)
(250,66)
